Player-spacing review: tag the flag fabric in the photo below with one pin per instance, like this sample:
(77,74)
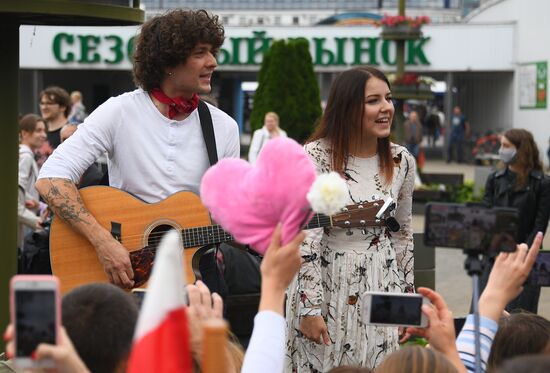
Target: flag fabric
(161,339)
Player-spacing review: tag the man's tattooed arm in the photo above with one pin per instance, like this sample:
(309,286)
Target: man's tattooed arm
(64,200)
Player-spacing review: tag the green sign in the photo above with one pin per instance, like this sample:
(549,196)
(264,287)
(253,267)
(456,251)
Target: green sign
(244,51)
(88,48)
(533,84)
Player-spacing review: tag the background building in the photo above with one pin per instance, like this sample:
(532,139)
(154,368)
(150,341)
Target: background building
(311,12)
(490,62)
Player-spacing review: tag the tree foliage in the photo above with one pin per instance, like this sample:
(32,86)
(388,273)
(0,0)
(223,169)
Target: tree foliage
(288,86)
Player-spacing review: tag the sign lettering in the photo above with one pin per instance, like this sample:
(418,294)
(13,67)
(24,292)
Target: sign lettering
(245,51)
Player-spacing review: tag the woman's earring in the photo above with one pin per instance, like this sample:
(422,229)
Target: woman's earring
(169,74)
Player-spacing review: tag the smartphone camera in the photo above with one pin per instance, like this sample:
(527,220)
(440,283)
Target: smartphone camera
(139,296)
(35,316)
(394,309)
(540,274)
(478,228)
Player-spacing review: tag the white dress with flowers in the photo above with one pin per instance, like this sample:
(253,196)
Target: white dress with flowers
(340,267)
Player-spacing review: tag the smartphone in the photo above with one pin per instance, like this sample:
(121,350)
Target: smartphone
(540,274)
(36,316)
(487,230)
(139,295)
(394,309)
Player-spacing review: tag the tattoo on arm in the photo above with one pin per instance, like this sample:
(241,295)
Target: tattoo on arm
(64,203)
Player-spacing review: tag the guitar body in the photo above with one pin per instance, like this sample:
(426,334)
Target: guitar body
(74,259)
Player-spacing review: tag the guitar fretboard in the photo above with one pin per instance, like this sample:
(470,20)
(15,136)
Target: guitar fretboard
(319,221)
(200,236)
(213,234)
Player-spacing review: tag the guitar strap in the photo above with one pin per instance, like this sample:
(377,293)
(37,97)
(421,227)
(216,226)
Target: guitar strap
(208,132)
(210,268)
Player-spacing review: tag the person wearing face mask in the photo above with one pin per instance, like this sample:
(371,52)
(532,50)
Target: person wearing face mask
(522,185)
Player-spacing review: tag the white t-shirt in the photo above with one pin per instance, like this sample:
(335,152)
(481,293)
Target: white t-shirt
(149,155)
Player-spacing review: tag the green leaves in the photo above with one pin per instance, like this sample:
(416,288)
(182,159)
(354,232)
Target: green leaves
(288,86)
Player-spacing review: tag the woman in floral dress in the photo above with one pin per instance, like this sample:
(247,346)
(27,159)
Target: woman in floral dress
(324,307)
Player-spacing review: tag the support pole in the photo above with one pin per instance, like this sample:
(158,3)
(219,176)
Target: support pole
(400,71)
(9,153)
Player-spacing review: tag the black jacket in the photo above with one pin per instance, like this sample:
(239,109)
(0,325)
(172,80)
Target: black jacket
(532,201)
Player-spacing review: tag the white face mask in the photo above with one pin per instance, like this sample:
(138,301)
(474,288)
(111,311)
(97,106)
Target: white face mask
(507,155)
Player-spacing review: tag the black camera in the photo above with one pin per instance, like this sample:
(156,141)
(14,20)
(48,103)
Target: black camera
(471,227)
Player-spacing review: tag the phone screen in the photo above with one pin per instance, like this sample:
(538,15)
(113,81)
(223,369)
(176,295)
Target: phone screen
(139,295)
(392,309)
(540,274)
(471,227)
(35,319)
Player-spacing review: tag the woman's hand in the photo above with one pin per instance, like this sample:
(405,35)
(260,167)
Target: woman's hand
(440,332)
(64,355)
(203,307)
(31,204)
(507,277)
(315,329)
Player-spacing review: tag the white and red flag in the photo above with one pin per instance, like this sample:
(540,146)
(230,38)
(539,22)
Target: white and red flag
(162,340)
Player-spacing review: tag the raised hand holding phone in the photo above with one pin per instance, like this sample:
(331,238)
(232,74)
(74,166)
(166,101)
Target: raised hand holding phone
(35,315)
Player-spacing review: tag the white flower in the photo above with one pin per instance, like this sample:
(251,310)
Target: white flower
(328,194)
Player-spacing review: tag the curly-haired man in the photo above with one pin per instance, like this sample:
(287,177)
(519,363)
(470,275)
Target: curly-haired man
(152,135)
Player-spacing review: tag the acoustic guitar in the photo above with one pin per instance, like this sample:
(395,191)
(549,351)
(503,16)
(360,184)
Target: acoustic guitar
(139,226)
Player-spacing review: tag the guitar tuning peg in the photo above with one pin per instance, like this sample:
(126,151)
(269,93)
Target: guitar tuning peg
(349,232)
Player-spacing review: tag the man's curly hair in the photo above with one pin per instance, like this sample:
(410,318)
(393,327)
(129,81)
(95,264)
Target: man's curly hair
(168,40)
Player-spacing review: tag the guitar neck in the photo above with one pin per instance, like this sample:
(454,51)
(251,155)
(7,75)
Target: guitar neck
(201,236)
(319,221)
(213,234)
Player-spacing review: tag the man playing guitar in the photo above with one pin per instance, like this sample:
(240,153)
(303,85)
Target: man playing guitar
(152,135)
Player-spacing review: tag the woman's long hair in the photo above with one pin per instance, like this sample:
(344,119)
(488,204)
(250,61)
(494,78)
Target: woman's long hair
(527,156)
(342,121)
(416,359)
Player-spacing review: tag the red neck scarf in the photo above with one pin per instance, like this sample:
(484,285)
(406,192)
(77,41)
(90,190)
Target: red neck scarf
(176,105)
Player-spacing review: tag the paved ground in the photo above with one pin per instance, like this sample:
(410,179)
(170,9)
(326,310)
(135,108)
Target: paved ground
(451,279)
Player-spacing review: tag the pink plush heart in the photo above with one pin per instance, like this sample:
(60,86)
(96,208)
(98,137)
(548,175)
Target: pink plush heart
(249,201)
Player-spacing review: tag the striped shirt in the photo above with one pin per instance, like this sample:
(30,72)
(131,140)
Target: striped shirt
(465,342)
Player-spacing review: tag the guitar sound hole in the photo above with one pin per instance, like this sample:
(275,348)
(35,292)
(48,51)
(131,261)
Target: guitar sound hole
(157,233)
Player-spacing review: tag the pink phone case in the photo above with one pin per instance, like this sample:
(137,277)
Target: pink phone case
(34,278)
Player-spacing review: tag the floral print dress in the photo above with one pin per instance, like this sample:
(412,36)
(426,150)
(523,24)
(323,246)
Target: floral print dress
(341,264)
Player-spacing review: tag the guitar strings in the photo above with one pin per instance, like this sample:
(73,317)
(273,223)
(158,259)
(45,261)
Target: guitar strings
(200,236)
(196,236)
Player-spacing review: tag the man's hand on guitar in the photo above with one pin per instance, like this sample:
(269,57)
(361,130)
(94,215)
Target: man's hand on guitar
(115,260)
(65,201)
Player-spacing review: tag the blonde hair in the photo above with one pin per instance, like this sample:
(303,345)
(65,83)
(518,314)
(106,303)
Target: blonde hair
(416,359)
(234,353)
(272,114)
(76,95)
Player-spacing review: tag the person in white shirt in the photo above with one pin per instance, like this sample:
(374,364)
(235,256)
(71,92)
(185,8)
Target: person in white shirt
(32,134)
(78,110)
(152,135)
(269,131)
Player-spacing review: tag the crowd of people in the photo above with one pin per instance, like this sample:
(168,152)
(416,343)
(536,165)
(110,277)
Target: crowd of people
(312,288)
